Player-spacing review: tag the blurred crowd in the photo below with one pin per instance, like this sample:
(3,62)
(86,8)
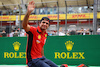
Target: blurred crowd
(22,33)
(14,33)
(48,10)
(82,31)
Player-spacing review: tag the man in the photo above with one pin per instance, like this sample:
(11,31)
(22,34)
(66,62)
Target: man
(36,40)
(4,33)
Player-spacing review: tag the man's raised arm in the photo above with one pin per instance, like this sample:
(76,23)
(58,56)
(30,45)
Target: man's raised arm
(30,8)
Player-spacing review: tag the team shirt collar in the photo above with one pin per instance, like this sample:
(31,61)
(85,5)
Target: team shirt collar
(40,30)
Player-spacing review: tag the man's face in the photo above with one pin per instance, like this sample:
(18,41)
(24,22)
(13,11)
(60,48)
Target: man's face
(44,24)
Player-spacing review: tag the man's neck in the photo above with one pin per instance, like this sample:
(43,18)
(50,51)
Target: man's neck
(43,31)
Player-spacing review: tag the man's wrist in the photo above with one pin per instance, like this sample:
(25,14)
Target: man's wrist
(28,13)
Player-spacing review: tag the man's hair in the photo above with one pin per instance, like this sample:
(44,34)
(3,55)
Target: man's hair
(45,18)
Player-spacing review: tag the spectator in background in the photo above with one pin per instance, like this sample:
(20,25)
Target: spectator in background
(60,32)
(46,9)
(81,32)
(11,34)
(51,11)
(22,33)
(98,31)
(73,32)
(15,33)
(49,33)
(91,31)
(67,32)
(4,33)
(88,32)
(55,9)
(41,10)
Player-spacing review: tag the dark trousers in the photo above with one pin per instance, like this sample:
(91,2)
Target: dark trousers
(41,62)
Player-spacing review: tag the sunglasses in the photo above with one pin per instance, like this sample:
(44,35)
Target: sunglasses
(45,22)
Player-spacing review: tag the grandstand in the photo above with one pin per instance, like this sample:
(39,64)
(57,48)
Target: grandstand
(79,13)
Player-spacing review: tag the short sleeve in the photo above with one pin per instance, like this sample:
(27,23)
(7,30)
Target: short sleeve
(32,30)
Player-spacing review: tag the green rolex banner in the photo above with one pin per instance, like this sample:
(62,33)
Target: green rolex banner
(71,50)
(13,50)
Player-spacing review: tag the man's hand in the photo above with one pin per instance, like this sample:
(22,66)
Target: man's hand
(31,7)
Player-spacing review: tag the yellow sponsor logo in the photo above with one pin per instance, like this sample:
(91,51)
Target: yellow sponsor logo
(45,35)
(37,41)
(16,46)
(14,54)
(69,45)
(69,55)
(39,36)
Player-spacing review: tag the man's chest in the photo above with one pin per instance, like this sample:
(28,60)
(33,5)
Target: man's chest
(40,38)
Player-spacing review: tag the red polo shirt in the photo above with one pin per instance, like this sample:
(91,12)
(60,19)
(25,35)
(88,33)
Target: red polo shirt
(36,41)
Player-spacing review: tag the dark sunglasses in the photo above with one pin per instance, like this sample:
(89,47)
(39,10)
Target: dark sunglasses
(45,22)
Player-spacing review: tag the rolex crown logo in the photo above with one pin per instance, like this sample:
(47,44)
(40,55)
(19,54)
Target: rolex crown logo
(16,45)
(69,45)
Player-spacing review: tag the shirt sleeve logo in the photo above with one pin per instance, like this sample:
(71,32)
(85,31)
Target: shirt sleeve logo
(45,35)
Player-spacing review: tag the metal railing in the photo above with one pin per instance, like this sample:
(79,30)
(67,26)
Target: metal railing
(16,25)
